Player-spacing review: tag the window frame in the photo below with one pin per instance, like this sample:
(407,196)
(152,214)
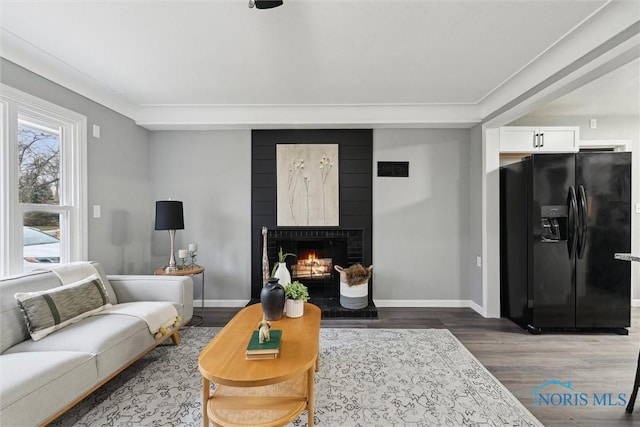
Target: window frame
(16,105)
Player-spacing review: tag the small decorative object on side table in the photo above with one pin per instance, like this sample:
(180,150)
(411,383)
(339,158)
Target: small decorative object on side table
(187,271)
(183,254)
(193,249)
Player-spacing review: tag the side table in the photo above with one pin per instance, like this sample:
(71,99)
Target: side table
(188,271)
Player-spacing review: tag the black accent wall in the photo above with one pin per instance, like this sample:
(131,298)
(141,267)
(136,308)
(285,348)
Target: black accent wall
(356,171)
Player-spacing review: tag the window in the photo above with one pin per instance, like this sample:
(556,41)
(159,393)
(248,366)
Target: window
(43,183)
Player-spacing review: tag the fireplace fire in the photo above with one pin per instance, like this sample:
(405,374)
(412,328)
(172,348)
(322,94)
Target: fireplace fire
(309,266)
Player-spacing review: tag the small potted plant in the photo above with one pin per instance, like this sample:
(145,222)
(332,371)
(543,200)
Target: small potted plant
(296,295)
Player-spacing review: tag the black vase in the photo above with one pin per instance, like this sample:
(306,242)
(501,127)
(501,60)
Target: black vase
(272,299)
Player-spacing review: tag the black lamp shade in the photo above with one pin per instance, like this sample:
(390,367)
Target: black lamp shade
(268,4)
(169,215)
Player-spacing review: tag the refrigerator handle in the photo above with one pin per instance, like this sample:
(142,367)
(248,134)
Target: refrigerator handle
(572,204)
(582,220)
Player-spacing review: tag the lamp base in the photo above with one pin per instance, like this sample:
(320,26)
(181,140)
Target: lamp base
(172,259)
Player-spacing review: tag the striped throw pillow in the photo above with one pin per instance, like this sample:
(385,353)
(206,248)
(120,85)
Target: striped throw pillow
(53,309)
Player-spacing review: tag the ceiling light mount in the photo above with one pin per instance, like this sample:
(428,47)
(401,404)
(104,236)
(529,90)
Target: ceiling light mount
(265,4)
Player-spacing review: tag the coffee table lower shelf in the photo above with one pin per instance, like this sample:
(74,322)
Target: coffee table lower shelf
(269,406)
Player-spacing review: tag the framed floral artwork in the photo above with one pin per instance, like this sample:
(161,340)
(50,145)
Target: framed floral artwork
(307,185)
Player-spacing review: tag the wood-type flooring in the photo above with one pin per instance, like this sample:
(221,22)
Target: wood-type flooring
(600,366)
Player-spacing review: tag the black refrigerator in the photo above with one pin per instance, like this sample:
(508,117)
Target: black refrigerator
(562,219)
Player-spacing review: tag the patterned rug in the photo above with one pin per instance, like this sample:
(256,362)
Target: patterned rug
(368,377)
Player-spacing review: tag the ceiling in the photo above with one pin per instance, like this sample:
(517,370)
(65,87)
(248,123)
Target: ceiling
(140,55)
(614,94)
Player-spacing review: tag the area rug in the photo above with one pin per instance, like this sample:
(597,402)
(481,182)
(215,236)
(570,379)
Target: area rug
(368,377)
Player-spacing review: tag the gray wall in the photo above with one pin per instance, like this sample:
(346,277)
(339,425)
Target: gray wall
(421,223)
(210,172)
(475,215)
(118,174)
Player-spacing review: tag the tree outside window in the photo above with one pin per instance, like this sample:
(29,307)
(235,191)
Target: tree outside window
(39,180)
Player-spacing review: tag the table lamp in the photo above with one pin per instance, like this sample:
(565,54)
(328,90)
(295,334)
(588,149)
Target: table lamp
(169,217)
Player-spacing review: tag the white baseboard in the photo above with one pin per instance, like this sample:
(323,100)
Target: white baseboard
(432,303)
(379,303)
(197,303)
(477,308)
(446,303)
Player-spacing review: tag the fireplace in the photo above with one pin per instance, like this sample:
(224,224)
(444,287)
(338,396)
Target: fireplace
(317,252)
(320,249)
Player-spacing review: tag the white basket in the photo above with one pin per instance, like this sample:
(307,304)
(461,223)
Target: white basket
(354,297)
(354,291)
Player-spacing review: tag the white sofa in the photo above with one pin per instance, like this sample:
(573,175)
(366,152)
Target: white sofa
(40,380)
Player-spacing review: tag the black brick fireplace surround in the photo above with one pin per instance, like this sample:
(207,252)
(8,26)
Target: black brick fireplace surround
(354,233)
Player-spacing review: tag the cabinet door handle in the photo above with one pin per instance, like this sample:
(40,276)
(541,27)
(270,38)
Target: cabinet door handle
(542,140)
(535,140)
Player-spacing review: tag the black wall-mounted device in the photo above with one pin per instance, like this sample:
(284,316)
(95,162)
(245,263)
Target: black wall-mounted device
(393,169)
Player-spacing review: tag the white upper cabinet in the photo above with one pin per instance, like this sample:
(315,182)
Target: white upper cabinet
(544,139)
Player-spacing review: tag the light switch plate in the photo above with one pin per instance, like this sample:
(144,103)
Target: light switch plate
(96,211)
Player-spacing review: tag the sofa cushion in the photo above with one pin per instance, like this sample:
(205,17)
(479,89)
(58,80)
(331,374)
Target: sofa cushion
(14,327)
(114,339)
(52,309)
(52,379)
(22,373)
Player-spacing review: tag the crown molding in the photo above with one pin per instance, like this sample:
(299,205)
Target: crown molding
(26,55)
(306,116)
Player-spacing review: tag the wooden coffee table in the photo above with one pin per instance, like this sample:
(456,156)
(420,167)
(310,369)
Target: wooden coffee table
(260,392)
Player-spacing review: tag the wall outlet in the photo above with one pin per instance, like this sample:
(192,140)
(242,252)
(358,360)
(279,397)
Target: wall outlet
(593,124)
(479,261)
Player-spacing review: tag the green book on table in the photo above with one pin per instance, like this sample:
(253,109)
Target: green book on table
(271,347)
